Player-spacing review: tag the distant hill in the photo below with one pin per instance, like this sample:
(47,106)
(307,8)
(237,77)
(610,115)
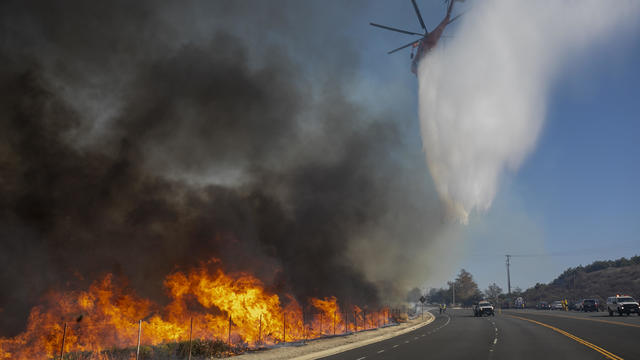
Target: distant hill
(598,280)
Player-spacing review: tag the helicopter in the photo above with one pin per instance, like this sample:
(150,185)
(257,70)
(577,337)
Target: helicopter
(428,40)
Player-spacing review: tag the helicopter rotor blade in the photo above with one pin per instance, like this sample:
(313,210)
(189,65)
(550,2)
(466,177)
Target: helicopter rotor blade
(404,46)
(454,18)
(394,29)
(415,6)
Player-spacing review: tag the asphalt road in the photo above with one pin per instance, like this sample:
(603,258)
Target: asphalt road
(514,334)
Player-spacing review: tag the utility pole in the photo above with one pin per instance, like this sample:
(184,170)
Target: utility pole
(453,286)
(508,275)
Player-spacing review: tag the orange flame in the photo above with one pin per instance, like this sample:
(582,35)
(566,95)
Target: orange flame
(233,307)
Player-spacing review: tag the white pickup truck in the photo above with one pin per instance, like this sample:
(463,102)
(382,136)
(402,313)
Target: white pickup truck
(622,305)
(483,308)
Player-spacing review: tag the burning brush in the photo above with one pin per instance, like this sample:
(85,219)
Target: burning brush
(235,309)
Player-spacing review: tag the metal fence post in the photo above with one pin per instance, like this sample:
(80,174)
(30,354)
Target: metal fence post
(190,337)
(260,331)
(344,319)
(139,335)
(334,323)
(64,335)
(355,320)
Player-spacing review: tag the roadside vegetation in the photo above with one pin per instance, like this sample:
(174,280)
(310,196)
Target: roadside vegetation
(200,350)
(597,280)
(467,291)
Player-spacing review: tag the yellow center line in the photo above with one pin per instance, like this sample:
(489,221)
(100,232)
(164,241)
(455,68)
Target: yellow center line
(580,318)
(571,336)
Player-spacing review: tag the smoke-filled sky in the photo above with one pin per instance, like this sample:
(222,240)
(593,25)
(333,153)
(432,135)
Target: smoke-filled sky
(142,138)
(139,138)
(557,181)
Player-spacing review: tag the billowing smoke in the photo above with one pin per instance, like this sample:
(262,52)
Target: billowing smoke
(140,138)
(483,97)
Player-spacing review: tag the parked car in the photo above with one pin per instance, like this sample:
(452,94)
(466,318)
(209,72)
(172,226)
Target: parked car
(543,305)
(622,304)
(589,305)
(557,305)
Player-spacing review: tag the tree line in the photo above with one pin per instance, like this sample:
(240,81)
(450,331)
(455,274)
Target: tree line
(570,273)
(573,283)
(466,292)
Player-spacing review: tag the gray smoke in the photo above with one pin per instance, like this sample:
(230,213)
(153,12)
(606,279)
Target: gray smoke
(140,138)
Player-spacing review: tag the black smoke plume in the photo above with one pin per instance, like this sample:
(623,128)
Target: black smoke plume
(132,141)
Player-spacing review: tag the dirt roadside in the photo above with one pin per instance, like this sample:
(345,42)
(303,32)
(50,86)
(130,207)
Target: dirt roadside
(314,349)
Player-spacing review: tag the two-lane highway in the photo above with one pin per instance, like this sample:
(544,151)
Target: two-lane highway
(524,334)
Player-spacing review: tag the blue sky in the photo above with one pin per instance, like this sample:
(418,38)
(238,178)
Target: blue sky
(574,199)
(580,186)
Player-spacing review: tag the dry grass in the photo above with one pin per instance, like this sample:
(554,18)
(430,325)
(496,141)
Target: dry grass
(200,350)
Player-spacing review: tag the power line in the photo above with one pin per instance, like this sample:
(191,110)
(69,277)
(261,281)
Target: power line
(589,251)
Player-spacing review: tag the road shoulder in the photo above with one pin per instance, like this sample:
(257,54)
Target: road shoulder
(330,346)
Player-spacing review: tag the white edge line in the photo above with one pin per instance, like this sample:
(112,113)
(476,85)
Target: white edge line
(347,347)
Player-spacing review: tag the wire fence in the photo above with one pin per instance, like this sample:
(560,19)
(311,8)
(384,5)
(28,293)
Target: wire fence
(295,327)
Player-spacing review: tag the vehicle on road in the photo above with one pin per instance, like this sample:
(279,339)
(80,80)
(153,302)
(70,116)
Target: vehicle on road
(483,308)
(622,304)
(577,306)
(589,305)
(543,305)
(557,305)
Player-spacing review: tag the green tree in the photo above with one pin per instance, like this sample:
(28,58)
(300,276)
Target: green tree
(467,291)
(493,292)
(517,291)
(439,296)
